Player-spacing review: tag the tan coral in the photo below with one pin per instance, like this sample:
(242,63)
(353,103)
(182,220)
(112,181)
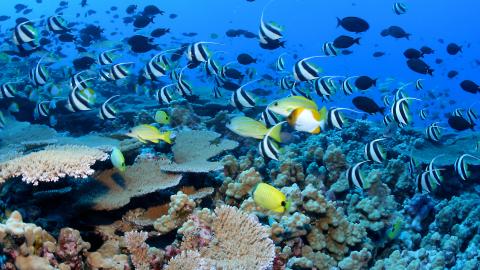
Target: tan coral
(135,242)
(143,177)
(180,207)
(194,148)
(239,242)
(53,163)
(244,184)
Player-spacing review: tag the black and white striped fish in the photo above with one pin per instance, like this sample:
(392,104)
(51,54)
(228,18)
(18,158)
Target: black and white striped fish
(268,31)
(355,176)
(154,69)
(400,111)
(329,50)
(24,33)
(424,183)
(418,84)
(77,101)
(298,92)
(433,133)
(280,63)
(399,95)
(412,166)
(216,92)
(386,100)
(42,110)
(387,119)
(39,75)
(399,8)
(197,52)
(472,115)
(119,71)
(461,167)
(434,173)
(286,83)
(105,75)
(57,24)
(219,81)
(212,68)
(77,81)
(458,112)
(304,71)
(423,114)
(241,99)
(347,86)
(163,96)
(269,118)
(7,91)
(374,151)
(324,87)
(107,112)
(267,147)
(106,58)
(174,75)
(183,87)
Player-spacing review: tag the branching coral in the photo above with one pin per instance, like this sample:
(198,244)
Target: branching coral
(239,242)
(194,148)
(52,164)
(135,242)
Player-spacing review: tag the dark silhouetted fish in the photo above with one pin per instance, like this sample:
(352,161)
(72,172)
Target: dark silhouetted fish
(398,32)
(419,66)
(470,86)
(343,42)
(131,9)
(141,44)
(453,49)
(452,74)
(160,32)
(353,24)
(246,59)
(152,10)
(426,50)
(83,63)
(378,54)
(367,105)
(365,82)
(412,53)
(459,123)
(142,21)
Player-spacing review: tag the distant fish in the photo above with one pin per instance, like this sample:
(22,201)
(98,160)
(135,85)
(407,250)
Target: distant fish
(452,74)
(344,42)
(119,71)
(423,114)
(459,123)
(42,110)
(378,54)
(353,24)
(367,105)
(7,91)
(419,66)
(399,8)
(418,84)
(246,59)
(329,49)
(39,75)
(107,111)
(280,63)
(470,86)
(453,48)
(387,119)
(57,24)
(426,50)
(80,100)
(216,92)
(433,133)
(106,57)
(461,167)
(347,87)
(365,82)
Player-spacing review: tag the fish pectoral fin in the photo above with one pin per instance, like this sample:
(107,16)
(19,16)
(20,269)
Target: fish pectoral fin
(316,130)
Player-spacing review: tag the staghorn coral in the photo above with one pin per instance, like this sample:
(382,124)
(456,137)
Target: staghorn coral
(53,163)
(180,208)
(143,177)
(194,148)
(234,234)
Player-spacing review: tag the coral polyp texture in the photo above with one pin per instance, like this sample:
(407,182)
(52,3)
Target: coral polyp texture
(53,163)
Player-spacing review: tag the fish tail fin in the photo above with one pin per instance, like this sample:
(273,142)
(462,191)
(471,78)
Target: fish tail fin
(430,72)
(382,110)
(282,44)
(375,82)
(323,113)
(407,36)
(339,22)
(357,41)
(274,132)
(166,137)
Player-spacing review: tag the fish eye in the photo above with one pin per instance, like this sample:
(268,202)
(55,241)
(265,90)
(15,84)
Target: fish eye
(275,103)
(283,203)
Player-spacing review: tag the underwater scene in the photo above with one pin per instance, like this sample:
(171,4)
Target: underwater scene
(239,135)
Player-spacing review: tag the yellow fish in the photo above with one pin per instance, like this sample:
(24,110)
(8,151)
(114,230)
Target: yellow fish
(285,106)
(118,160)
(270,198)
(162,117)
(308,120)
(150,133)
(249,127)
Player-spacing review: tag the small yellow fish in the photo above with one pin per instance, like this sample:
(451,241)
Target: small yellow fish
(285,106)
(249,127)
(308,120)
(150,133)
(118,160)
(270,198)
(162,117)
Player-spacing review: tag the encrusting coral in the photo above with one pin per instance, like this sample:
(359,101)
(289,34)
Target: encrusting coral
(53,163)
